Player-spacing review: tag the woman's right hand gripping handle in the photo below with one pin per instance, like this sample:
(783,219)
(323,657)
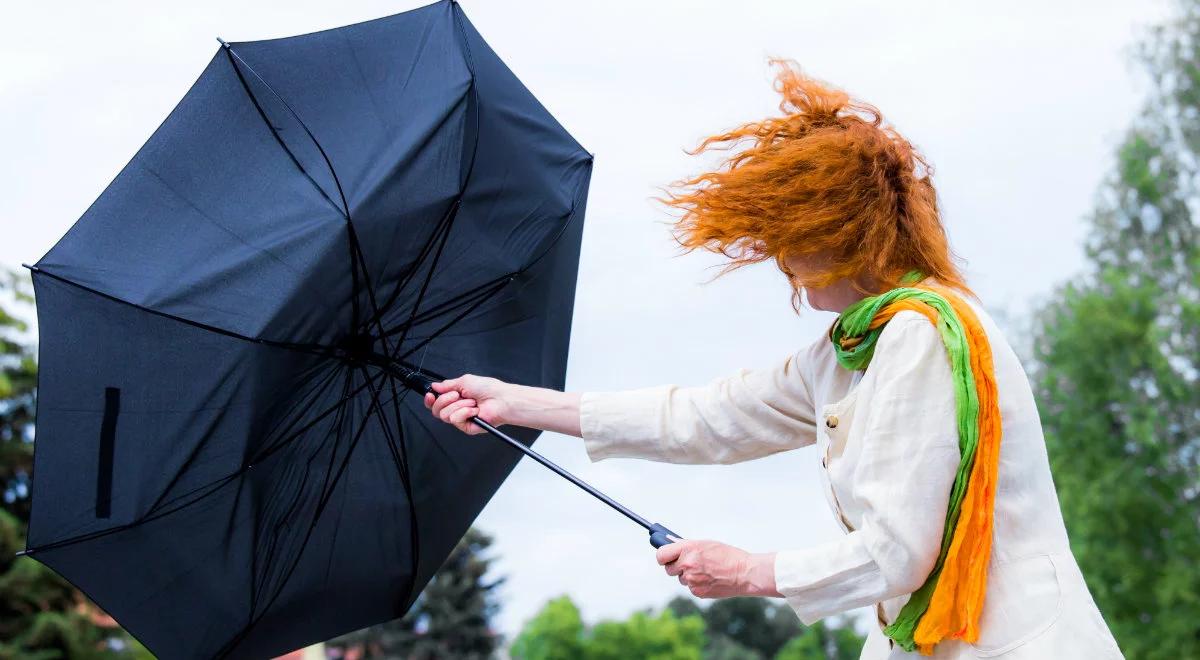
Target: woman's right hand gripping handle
(459,399)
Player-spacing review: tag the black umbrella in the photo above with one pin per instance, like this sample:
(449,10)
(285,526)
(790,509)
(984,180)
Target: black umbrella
(227,460)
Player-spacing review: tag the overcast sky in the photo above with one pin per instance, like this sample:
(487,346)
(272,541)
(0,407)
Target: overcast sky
(1018,105)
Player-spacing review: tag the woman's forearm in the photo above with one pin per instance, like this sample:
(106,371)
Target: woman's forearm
(542,408)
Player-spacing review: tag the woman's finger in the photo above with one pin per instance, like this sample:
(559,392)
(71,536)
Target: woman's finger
(443,386)
(668,553)
(448,411)
(674,568)
(443,401)
(464,413)
(430,397)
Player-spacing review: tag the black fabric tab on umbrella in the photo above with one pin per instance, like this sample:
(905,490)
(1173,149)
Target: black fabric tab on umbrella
(108,438)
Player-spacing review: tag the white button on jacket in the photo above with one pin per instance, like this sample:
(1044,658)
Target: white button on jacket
(888,441)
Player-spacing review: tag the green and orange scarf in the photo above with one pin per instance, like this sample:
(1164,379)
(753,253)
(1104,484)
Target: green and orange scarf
(949,603)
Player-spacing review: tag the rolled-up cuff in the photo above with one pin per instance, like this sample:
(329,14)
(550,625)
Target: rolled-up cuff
(828,579)
(625,424)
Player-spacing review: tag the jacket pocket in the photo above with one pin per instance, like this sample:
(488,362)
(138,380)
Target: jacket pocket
(1024,598)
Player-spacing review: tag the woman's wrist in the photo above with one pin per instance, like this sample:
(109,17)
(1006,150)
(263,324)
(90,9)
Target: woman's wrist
(541,408)
(760,575)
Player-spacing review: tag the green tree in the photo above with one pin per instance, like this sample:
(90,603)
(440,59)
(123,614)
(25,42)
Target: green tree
(558,632)
(1116,368)
(823,642)
(759,629)
(727,629)
(450,619)
(40,614)
(642,635)
(18,379)
(755,623)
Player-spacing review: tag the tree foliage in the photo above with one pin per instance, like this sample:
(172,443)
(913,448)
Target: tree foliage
(557,632)
(1116,368)
(727,629)
(18,376)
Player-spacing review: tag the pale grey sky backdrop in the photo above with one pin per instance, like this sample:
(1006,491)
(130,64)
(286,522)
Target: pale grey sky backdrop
(1018,105)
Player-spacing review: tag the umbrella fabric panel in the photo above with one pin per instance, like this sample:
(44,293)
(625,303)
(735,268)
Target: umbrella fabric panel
(212,221)
(526,175)
(194,406)
(388,110)
(521,333)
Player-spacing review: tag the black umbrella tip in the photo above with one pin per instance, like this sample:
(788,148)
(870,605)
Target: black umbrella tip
(23,553)
(224,43)
(34,269)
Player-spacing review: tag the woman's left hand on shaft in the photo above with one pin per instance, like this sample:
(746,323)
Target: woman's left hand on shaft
(715,570)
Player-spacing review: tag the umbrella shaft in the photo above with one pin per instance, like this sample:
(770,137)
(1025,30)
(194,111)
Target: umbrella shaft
(422,384)
(516,444)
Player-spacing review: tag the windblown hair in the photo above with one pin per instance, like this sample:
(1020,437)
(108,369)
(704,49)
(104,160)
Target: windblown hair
(828,182)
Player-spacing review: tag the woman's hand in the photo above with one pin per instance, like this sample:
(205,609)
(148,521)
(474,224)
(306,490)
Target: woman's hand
(715,570)
(460,399)
(457,400)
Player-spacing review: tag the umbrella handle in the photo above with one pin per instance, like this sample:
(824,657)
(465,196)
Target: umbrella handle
(660,536)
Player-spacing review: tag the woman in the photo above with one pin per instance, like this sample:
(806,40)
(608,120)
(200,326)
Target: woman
(933,455)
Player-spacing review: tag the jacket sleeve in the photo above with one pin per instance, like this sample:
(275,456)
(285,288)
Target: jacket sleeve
(902,481)
(746,415)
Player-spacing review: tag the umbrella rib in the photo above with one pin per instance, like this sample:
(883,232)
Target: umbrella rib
(442,226)
(453,304)
(344,209)
(91,536)
(500,282)
(570,217)
(265,453)
(482,299)
(357,261)
(310,349)
(211,487)
(470,62)
(254,559)
(294,415)
(400,459)
(424,287)
(278,138)
(320,508)
(284,518)
(306,380)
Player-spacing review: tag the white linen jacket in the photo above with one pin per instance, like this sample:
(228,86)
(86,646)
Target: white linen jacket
(888,443)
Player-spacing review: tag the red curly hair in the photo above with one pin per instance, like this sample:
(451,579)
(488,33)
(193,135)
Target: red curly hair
(827,182)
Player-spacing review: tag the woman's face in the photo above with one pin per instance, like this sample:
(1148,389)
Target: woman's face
(833,298)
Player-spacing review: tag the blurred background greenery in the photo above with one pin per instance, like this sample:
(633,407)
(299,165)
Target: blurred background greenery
(1114,356)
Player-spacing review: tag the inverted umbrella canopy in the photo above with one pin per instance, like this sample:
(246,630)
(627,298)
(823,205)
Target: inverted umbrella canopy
(226,458)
